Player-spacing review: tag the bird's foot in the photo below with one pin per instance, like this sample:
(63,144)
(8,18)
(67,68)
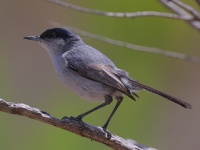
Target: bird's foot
(64,118)
(78,118)
(108,134)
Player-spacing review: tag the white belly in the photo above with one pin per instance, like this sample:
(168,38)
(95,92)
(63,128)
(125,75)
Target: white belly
(87,89)
(83,87)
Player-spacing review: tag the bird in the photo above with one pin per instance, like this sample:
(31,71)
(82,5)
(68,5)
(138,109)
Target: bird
(90,74)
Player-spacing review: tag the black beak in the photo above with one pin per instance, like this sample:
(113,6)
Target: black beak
(33,38)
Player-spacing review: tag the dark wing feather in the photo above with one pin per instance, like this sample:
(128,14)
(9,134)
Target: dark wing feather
(93,65)
(104,74)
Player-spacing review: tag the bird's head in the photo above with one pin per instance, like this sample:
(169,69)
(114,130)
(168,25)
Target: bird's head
(56,39)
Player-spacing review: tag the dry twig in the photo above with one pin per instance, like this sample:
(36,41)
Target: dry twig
(181,10)
(132,46)
(82,129)
(118,14)
(184,10)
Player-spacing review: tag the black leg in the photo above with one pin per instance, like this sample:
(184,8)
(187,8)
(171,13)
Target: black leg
(108,100)
(119,100)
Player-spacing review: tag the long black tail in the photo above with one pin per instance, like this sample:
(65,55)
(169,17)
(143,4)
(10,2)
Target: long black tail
(169,97)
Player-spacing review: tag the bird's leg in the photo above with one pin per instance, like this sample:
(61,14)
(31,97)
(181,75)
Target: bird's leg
(119,100)
(108,100)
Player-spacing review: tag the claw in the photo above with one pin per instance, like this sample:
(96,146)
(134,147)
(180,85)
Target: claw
(108,134)
(65,117)
(79,119)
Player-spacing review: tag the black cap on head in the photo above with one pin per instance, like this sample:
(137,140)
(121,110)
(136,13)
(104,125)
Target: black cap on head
(56,33)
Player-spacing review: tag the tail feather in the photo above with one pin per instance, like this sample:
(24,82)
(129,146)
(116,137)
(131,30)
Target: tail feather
(167,96)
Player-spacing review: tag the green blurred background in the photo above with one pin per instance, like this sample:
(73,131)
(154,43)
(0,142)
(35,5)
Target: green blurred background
(27,76)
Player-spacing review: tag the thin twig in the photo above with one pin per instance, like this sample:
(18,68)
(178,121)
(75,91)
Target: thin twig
(188,8)
(132,46)
(184,10)
(82,129)
(175,8)
(198,2)
(119,14)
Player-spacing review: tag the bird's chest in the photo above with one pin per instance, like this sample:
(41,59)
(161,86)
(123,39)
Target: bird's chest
(83,87)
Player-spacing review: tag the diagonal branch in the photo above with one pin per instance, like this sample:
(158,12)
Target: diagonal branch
(154,50)
(198,2)
(118,14)
(82,129)
(181,10)
(184,10)
(187,8)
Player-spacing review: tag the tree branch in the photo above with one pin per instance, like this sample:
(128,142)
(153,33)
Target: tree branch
(198,2)
(187,8)
(184,10)
(154,50)
(119,14)
(82,129)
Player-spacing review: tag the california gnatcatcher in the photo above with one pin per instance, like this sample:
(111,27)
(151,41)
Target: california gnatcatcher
(89,73)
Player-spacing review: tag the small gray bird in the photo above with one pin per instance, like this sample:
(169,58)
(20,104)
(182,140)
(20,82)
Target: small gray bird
(89,73)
